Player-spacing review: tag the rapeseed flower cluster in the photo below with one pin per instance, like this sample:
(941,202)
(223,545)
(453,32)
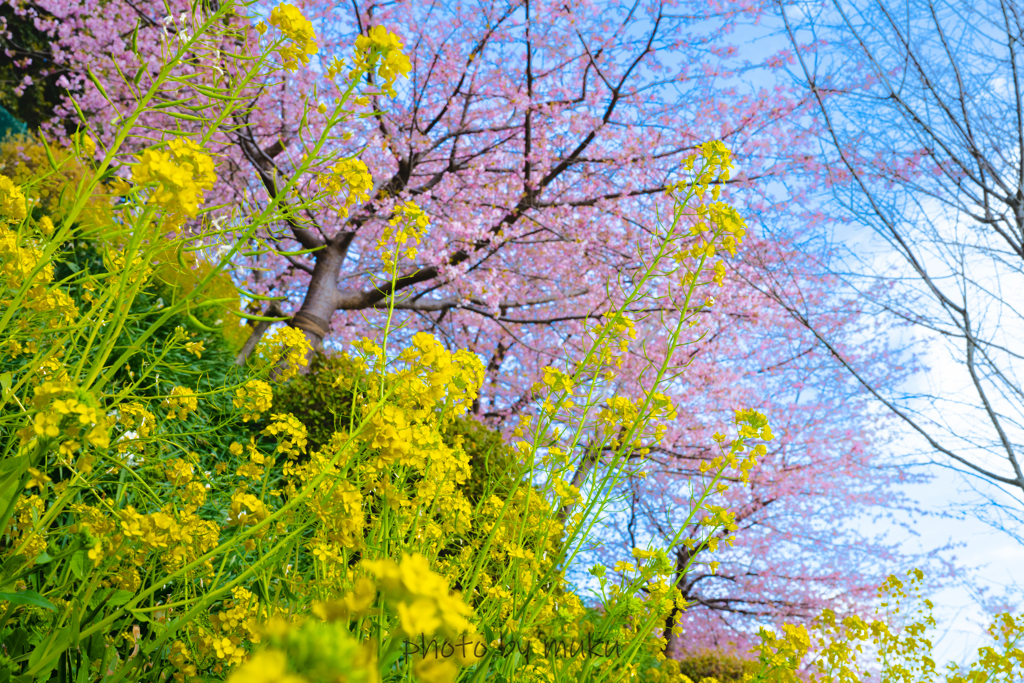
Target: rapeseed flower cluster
(20,257)
(290,434)
(434,384)
(65,417)
(23,529)
(231,628)
(420,596)
(137,424)
(180,403)
(42,173)
(717,216)
(902,654)
(623,415)
(253,399)
(130,539)
(179,175)
(408,223)
(297,31)
(351,174)
(382,50)
(12,201)
(618,330)
(305,651)
(187,487)
(285,352)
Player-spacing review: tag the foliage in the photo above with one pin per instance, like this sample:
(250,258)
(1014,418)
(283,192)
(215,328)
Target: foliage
(700,667)
(720,666)
(323,400)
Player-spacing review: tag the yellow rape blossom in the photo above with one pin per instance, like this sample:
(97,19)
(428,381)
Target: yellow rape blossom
(435,670)
(356,603)
(421,596)
(409,222)
(182,660)
(17,261)
(313,651)
(134,417)
(181,402)
(37,478)
(195,348)
(246,509)
(253,399)
(286,349)
(298,31)
(351,174)
(180,175)
(377,44)
(12,201)
(85,143)
(290,433)
(268,666)
(556,379)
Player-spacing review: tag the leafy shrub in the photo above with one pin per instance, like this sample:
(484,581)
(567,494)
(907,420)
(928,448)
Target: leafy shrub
(323,401)
(717,665)
(702,667)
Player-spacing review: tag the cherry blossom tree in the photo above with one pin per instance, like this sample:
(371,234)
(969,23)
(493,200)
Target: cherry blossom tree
(539,139)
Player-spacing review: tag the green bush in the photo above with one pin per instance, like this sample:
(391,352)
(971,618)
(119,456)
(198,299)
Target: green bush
(722,667)
(322,400)
(704,666)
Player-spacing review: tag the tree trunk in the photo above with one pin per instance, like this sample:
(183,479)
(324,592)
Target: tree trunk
(675,642)
(318,305)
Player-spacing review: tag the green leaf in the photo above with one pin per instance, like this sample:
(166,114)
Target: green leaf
(16,643)
(141,616)
(28,598)
(95,647)
(83,671)
(51,649)
(11,565)
(78,565)
(11,470)
(120,598)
